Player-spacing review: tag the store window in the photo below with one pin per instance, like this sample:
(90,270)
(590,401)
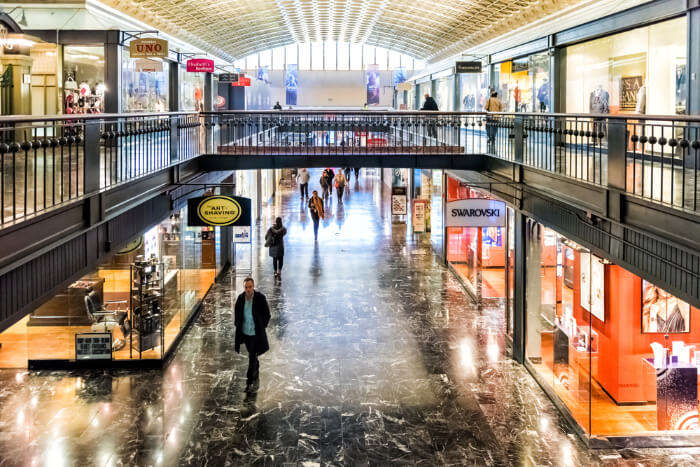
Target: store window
(445,93)
(617,350)
(191,90)
(140,298)
(523,84)
(474,91)
(642,71)
(83,79)
(144,84)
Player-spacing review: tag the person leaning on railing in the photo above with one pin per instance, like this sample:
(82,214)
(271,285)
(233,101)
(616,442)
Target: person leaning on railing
(492,105)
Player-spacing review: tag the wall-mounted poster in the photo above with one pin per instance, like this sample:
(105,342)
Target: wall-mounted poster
(291,84)
(629,88)
(597,288)
(373,84)
(585,280)
(662,312)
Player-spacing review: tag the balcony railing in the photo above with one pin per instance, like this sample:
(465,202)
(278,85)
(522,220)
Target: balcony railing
(46,162)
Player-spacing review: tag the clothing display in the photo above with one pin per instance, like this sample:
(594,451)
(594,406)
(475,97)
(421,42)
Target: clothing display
(641,107)
(469,103)
(599,102)
(543,95)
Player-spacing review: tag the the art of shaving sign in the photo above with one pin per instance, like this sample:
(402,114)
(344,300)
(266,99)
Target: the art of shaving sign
(475,213)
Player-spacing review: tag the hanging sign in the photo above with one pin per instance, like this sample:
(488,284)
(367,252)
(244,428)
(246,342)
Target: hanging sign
(405,86)
(419,207)
(218,210)
(200,65)
(242,81)
(467,67)
(475,213)
(148,47)
(148,66)
(228,77)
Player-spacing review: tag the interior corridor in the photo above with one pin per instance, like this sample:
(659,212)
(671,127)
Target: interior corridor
(378,356)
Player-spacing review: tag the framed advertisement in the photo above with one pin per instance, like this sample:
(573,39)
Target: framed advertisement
(662,312)
(585,280)
(597,288)
(629,87)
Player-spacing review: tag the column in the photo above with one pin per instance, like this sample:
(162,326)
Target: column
(113,72)
(519,308)
(209,92)
(174,85)
(693,58)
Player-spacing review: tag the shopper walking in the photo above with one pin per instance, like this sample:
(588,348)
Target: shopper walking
(277,106)
(323,181)
(357,173)
(274,240)
(303,180)
(330,175)
(251,317)
(492,105)
(430,105)
(340,182)
(317,213)
(347,171)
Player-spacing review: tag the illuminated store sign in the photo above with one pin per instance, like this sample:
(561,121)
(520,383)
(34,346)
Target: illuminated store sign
(468,67)
(475,213)
(148,47)
(218,211)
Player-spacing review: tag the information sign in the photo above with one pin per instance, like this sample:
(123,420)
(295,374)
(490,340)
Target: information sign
(399,203)
(93,346)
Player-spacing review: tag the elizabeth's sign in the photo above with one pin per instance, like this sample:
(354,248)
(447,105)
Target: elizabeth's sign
(475,213)
(218,211)
(148,47)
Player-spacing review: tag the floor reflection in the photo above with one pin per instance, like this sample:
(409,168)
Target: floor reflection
(378,356)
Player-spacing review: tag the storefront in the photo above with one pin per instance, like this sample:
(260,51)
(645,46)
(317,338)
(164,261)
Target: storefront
(191,90)
(617,351)
(144,83)
(140,300)
(523,84)
(642,71)
(482,257)
(83,79)
(444,93)
(474,90)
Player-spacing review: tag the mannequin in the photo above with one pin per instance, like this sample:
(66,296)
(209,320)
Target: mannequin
(599,101)
(543,95)
(641,107)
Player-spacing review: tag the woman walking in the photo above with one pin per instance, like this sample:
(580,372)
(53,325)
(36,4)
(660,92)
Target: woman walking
(274,240)
(316,208)
(340,182)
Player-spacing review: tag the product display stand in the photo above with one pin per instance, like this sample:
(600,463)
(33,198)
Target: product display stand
(146,305)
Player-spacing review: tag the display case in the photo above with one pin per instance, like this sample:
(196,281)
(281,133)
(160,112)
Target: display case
(146,305)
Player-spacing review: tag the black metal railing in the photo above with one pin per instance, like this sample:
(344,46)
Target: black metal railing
(48,161)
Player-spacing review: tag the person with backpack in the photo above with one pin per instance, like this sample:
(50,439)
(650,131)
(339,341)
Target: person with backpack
(330,175)
(274,240)
(323,181)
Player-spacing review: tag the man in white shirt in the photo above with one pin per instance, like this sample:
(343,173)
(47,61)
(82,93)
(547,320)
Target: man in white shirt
(303,180)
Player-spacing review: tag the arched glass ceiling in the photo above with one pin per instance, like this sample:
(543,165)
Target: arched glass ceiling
(329,55)
(430,30)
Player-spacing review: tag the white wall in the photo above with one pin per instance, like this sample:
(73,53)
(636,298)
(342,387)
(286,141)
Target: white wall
(329,88)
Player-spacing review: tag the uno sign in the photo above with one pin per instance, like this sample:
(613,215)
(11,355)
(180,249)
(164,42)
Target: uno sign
(148,47)
(475,213)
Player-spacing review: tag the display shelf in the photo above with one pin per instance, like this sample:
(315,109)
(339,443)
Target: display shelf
(146,305)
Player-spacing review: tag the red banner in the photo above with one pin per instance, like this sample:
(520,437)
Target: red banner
(242,81)
(200,65)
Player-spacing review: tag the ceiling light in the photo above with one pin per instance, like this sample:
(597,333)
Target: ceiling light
(23,21)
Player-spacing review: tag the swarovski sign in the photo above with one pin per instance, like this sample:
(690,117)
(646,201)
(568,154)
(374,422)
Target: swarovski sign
(475,213)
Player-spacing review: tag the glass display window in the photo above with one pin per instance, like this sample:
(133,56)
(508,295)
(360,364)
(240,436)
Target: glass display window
(474,91)
(191,90)
(83,79)
(144,84)
(444,94)
(641,71)
(138,300)
(523,84)
(621,353)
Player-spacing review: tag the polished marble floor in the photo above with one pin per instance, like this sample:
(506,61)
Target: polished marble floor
(378,357)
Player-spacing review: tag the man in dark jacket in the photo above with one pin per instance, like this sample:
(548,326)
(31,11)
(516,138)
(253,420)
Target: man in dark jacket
(432,106)
(251,316)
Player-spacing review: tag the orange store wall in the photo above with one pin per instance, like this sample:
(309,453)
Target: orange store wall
(622,345)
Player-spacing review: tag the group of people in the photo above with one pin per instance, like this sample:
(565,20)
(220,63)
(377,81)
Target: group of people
(493,104)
